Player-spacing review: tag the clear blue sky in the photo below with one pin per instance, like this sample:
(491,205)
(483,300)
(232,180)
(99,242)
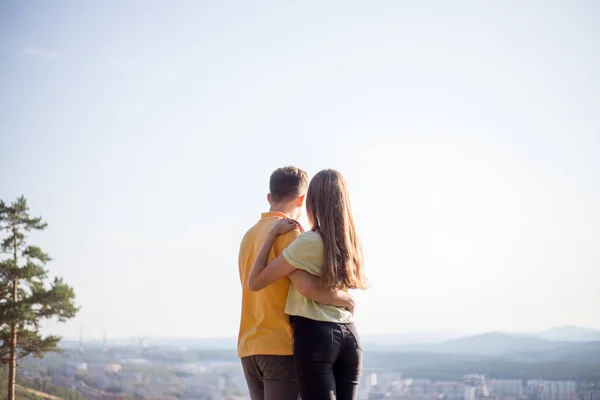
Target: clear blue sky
(469,133)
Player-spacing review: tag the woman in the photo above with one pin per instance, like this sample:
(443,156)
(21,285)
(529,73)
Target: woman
(327,349)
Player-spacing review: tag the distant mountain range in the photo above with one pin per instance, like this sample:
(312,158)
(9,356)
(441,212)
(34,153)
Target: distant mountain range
(515,346)
(568,344)
(426,339)
(413,338)
(570,334)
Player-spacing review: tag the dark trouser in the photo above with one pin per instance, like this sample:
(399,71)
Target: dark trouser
(328,359)
(271,377)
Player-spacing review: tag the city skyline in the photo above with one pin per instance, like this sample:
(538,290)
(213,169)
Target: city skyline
(145,133)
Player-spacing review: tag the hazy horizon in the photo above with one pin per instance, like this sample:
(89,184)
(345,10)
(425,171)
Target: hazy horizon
(412,334)
(144,133)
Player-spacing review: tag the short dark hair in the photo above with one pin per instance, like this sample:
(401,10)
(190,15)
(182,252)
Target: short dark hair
(287,183)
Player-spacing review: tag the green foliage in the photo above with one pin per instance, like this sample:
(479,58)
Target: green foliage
(114,389)
(134,397)
(85,378)
(44,387)
(27,295)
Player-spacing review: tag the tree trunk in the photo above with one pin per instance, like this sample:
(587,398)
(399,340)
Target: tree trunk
(12,367)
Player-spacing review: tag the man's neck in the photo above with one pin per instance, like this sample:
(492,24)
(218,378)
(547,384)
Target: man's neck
(284,209)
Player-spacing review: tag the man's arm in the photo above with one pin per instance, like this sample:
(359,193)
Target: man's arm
(308,285)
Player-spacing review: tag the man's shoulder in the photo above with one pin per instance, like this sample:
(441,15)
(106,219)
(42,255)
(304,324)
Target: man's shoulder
(286,239)
(293,234)
(252,235)
(248,234)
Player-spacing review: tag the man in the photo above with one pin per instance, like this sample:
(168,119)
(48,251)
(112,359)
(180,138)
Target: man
(265,341)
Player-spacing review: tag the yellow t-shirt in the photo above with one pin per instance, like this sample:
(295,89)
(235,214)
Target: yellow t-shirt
(307,253)
(264,327)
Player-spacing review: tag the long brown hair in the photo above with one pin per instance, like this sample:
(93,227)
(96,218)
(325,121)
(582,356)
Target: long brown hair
(328,204)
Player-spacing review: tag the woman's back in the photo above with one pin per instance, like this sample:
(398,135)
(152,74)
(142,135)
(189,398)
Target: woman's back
(308,253)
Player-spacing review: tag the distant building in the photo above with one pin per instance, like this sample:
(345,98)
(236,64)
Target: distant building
(469,393)
(474,380)
(591,396)
(451,390)
(388,396)
(478,382)
(113,368)
(505,387)
(552,390)
(421,387)
(373,379)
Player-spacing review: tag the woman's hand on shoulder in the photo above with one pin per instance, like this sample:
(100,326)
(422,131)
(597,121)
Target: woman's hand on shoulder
(298,226)
(285,225)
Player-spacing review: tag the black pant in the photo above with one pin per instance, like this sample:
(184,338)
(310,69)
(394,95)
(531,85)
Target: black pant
(328,359)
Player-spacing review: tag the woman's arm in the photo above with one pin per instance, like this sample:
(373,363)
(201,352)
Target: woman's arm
(308,285)
(262,275)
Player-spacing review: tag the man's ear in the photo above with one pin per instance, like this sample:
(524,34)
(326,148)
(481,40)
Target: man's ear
(269,198)
(300,200)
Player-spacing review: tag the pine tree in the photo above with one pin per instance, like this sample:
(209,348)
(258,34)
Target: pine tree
(27,297)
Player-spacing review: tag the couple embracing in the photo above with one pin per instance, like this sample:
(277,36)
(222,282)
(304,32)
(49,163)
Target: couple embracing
(297,336)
